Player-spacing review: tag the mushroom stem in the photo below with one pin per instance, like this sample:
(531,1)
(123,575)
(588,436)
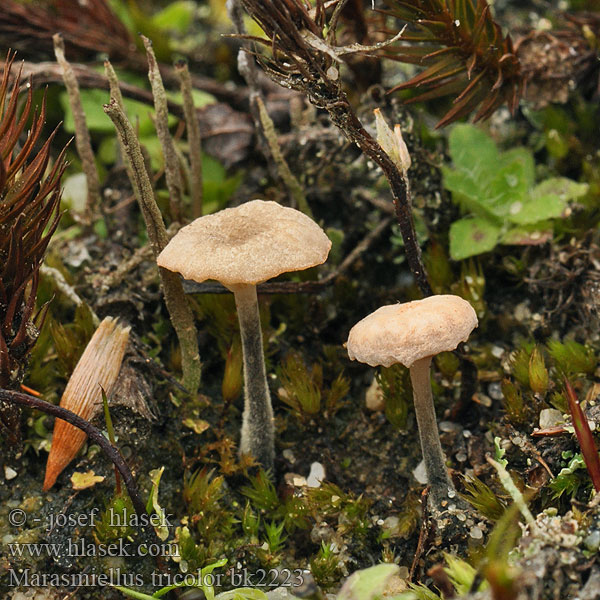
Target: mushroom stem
(258,432)
(435,467)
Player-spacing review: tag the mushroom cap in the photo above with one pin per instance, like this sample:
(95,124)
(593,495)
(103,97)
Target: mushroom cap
(247,244)
(405,333)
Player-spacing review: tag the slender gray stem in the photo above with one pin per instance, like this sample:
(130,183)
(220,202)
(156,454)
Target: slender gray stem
(435,466)
(258,431)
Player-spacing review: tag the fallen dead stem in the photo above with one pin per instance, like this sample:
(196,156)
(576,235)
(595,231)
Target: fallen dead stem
(299,287)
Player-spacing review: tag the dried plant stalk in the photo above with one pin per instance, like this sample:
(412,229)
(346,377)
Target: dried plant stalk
(97,369)
(161,122)
(179,310)
(290,181)
(193,136)
(82,134)
(302,58)
(115,92)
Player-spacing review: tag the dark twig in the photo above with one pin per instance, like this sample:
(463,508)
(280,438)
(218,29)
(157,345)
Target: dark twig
(297,64)
(422,535)
(44,73)
(94,434)
(298,287)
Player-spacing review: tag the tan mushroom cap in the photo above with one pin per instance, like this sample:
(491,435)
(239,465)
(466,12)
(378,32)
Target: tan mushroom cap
(405,333)
(247,244)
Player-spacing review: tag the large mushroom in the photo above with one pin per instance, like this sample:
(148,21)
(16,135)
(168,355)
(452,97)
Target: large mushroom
(411,334)
(241,247)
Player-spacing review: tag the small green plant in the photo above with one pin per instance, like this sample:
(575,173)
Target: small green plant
(262,493)
(512,400)
(537,377)
(572,358)
(351,512)
(292,511)
(496,566)
(498,194)
(480,496)
(461,574)
(324,565)
(304,391)
(275,537)
(204,581)
(250,524)
(114,521)
(570,478)
(203,493)
(395,385)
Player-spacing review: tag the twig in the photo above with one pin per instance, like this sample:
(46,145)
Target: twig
(177,305)
(298,287)
(95,435)
(63,286)
(161,122)
(48,72)
(296,64)
(193,136)
(422,534)
(82,134)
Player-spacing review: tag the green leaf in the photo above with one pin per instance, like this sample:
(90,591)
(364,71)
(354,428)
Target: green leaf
(177,16)
(536,209)
(367,584)
(466,191)
(96,119)
(484,181)
(472,150)
(134,594)
(528,235)
(524,156)
(472,236)
(242,594)
(566,189)
(505,187)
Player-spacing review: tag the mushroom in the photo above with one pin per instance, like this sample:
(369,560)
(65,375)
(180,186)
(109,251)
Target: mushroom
(411,334)
(241,247)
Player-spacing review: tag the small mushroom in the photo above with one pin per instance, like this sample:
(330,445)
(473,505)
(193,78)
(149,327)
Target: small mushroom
(411,334)
(241,247)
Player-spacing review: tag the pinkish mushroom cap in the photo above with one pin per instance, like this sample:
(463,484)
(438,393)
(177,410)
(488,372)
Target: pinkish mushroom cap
(247,244)
(405,333)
